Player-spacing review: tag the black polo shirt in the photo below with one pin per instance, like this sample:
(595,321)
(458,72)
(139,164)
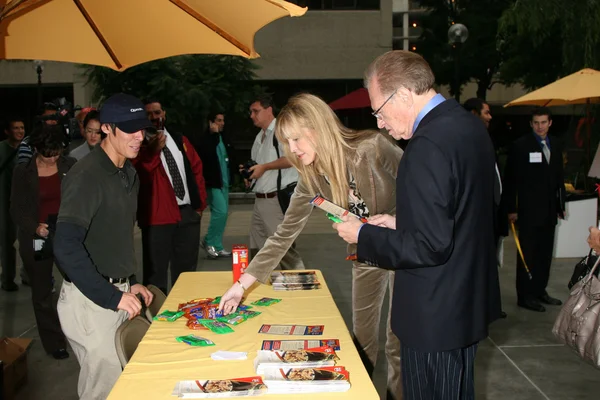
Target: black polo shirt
(102,199)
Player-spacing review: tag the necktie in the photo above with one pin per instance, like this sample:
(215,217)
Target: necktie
(174,172)
(546,151)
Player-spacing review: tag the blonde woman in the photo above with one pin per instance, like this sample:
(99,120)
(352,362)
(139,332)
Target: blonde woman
(356,170)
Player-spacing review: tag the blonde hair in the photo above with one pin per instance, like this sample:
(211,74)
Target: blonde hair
(330,140)
(400,68)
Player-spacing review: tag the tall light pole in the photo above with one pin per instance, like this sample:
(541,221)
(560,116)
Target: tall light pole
(39,68)
(457,35)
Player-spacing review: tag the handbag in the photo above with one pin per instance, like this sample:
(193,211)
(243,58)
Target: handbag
(284,195)
(578,323)
(582,268)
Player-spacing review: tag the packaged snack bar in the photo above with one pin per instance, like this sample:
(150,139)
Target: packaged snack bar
(233,319)
(243,307)
(194,303)
(215,326)
(195,325)
(248,314)
(265,301)
(168,316)
(206,312)
(194,340)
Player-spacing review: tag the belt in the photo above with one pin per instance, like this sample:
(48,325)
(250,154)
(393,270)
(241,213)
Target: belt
(111,280)
(266,195)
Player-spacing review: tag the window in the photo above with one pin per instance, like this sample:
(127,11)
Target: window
(338,4)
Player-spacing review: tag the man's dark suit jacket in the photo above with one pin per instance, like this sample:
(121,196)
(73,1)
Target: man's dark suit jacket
(446,287)
(535,191)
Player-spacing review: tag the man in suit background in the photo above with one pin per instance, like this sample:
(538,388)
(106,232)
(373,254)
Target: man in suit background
(440,242)
(534,194)
(481,110)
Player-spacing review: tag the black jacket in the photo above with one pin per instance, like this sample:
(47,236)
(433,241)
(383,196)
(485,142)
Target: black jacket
(206,147)
(25,193)
(446,287)
(534,190)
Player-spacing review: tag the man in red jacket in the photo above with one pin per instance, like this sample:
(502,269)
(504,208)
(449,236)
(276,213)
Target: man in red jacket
(172,197)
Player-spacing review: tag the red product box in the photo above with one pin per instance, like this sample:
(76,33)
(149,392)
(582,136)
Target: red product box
(240,260)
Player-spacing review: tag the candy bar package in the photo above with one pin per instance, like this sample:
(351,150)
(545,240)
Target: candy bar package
(265,301)
(215,326)
(168,316)
(320,356)
(195,325)
(202,388)
(194,340)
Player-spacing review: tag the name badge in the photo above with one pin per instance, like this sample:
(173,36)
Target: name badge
(535,157)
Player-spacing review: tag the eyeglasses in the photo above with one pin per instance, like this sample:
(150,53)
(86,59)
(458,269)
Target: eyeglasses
(376,112)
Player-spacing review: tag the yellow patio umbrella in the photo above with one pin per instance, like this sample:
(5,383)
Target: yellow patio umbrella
(123,33)
(579,88)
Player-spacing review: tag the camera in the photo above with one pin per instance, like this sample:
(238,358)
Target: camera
(65,116)
(246,169)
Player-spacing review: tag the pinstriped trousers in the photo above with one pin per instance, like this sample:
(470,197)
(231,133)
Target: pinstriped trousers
(445,375)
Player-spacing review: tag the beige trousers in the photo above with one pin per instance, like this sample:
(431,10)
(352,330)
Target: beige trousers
(90,330)
(369,285)
(266,217)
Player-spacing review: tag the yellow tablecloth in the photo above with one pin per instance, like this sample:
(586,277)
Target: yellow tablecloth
(160,361)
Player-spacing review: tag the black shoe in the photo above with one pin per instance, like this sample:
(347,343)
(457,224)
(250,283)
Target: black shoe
(531,304)
(503,315)
(550,300)
(9,287)
(60,354)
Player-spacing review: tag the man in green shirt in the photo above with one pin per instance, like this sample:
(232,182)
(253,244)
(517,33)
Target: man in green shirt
(14,131)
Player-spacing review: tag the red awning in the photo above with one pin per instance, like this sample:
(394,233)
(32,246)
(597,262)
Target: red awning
(356,99)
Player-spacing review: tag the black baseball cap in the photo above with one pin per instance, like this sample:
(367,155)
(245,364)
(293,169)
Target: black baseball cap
(126,112)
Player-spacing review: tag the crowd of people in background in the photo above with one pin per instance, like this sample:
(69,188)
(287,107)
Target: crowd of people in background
(436,216)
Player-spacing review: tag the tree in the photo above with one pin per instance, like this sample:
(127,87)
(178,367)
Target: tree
(189,86)
(544,40)
(479,57)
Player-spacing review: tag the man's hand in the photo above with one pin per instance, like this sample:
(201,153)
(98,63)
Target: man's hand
(214,128)
(143,290)
(231,299)
(257,170)
(157,142)
(348,230)
(594,239)
(513,217)
(131,304)
(42,230)
(383,220)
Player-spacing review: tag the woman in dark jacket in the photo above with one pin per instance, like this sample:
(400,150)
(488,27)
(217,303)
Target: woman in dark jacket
(35,200)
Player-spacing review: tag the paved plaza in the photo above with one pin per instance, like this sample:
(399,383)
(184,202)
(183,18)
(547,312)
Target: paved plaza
(520,360)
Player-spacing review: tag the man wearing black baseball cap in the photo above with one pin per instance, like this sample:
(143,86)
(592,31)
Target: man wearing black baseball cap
(94,246)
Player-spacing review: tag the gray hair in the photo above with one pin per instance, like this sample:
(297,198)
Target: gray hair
(399,68)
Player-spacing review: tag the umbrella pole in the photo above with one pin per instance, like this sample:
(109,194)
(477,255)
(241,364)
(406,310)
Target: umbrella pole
(588,139)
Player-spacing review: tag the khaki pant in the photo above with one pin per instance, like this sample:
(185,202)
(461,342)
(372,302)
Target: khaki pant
(369,285)
(91,330)
(266,217)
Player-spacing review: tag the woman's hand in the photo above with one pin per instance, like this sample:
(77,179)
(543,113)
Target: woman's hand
(42,230)
(231,299)
(384,220)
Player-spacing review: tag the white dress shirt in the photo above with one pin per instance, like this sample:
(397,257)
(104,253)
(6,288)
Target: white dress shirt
(178,156)
(264,152)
